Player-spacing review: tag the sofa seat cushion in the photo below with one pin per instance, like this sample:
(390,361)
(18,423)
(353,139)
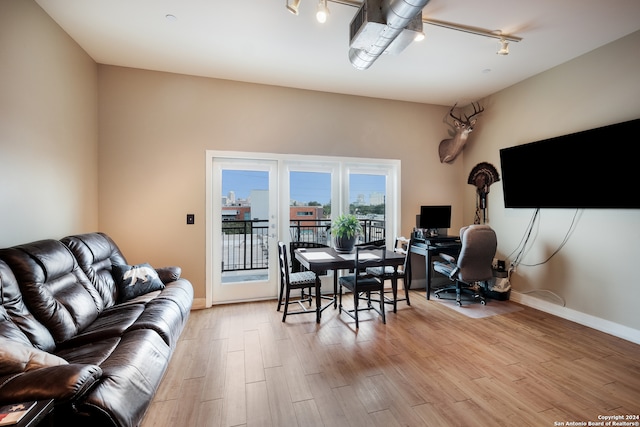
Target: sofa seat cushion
(111,323)
(16,357)
(130,378)
(94,353)
(135,280)
(164,317)
(140,299)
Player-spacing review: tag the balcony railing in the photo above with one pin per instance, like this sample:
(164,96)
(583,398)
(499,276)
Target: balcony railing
(245,243)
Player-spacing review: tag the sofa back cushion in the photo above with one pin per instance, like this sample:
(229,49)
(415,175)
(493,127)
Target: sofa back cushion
(53,287)
(16,321)
(96,253)
(9,330)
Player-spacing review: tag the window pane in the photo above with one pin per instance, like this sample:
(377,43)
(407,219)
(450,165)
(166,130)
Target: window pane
(245,225)
(367,199)
(309,206)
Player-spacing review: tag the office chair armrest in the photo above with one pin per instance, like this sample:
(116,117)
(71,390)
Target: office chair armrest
(448,258)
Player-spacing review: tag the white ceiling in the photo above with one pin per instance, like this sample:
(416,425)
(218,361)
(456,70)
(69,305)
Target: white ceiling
(260,41)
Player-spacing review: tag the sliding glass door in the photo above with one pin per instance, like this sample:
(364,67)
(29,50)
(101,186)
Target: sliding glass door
(244,224)
(255,200)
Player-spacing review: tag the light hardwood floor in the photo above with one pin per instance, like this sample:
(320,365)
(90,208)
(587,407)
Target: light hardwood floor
(239,365)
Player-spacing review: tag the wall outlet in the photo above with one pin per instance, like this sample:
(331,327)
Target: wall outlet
(191,219)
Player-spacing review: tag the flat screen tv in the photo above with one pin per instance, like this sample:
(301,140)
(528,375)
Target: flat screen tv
(433,217)
(596,168)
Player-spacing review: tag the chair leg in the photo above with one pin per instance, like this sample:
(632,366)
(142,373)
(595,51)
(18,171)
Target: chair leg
(280,295)
(286,304)
(394,289)
(458,292)
(406,285)
(382,310)
(356,298)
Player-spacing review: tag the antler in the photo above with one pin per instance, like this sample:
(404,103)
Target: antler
(475,111)
(451,113)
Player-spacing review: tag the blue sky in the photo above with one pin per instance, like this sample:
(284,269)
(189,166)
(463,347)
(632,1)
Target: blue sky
(305,186)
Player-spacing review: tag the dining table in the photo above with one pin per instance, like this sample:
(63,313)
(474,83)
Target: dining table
(321,260)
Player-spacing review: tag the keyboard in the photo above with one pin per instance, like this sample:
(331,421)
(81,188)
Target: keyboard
(448,243)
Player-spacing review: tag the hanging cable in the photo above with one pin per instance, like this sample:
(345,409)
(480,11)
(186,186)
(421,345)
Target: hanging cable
(523,245)
(564,242)
(523,242)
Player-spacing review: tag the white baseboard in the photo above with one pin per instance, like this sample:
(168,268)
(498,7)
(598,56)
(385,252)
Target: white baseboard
(199,304)
(584,319)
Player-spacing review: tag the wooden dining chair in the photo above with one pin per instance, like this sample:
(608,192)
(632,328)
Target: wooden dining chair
(403,246)
(363,284)
(290,281)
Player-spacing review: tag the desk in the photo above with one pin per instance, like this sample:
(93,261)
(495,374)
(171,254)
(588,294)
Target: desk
(324,259)
(429,249)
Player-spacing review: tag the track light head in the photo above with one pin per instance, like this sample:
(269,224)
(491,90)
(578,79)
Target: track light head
(322,12)
(504,47)
(293,7)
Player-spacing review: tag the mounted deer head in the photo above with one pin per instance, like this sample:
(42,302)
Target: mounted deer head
(450,148)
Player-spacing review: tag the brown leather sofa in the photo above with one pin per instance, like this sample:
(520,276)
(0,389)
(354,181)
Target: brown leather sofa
(76,329)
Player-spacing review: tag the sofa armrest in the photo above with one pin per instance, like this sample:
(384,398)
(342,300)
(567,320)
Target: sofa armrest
(61,383)
(169,274)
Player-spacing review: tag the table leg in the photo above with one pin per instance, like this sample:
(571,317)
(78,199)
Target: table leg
(318,299)
(428,273)
(335,289)
(394,288)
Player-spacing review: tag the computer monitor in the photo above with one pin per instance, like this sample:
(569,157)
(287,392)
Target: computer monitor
(435,217)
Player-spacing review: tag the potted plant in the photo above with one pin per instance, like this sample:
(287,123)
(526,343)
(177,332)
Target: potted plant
(345,230)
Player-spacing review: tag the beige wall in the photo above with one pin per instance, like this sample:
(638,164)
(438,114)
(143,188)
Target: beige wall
(155,128)
(596,272)
(48,129)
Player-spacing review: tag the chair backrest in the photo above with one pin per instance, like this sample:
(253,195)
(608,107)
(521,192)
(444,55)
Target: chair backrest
(284,263)
(479,244)
(368,256)
(403,246)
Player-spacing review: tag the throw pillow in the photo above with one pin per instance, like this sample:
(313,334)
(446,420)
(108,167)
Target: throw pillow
(135,280)
(17,357)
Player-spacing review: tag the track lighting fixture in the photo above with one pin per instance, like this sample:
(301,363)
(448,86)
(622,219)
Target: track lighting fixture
(322,12)
(504,47)
(293,6)
(369,24)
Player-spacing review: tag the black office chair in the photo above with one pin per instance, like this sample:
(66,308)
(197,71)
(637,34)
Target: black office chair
(363,284)
(403,246)
(473,265)
(289,281)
